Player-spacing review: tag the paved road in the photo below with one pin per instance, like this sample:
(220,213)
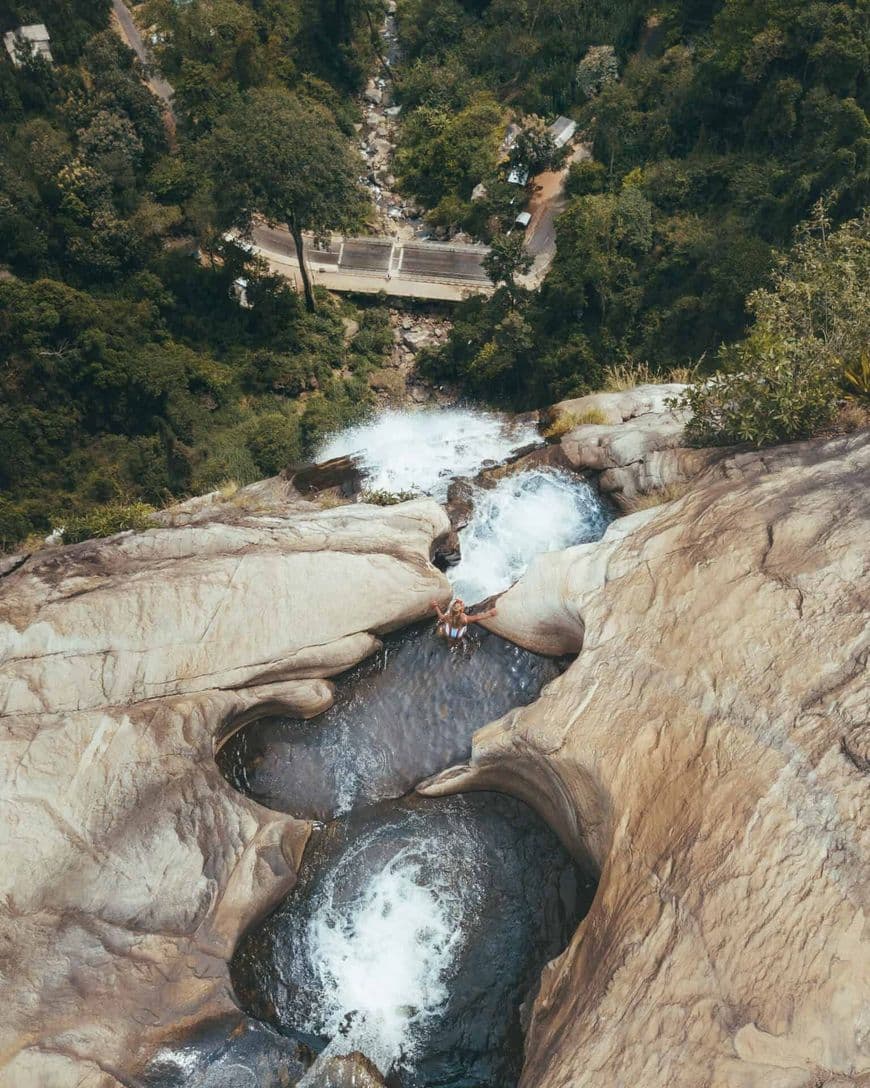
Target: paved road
(444,262)
(419,269)
(133,38)
(545,207)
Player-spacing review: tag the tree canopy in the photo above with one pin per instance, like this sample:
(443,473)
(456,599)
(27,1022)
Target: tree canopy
(281,157)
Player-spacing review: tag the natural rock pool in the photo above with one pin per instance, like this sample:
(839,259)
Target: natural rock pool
(415,934)
(398,717)
(418,928)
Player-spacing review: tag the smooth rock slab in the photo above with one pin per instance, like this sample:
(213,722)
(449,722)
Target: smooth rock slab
(708,751)
(130,867)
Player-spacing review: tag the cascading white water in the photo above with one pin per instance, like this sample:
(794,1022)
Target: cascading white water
(380,958)
(423,451)
(535,511)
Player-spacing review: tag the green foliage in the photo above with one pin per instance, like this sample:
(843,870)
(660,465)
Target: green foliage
(811,326)
(507,259)
(128,373)
(443,153)
(535,149)
(274,442)
(106,521)
(715,129)
(281,157)
(857,378)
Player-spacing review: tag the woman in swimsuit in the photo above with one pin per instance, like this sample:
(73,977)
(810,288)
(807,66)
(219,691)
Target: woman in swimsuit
(454,623)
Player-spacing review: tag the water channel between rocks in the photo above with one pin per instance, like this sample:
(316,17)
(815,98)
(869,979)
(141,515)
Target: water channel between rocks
(418,928)
(398,717)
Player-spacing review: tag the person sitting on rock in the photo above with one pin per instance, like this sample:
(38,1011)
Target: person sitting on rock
(454,623)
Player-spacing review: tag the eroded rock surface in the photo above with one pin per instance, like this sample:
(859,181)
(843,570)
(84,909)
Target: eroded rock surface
(709,751)
(638,446)
(130,867)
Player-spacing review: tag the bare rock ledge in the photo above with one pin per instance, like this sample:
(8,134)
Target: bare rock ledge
(130,867)
(709,751)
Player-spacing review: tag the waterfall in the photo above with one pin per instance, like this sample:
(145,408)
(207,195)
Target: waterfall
(422,451)
(380,956)
(535,511)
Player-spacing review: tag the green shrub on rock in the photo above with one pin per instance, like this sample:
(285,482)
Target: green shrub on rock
(273,441)
(811,329)
(106,521)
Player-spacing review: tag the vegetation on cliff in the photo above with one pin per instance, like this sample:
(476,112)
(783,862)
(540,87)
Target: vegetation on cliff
(128,371)
(727,123)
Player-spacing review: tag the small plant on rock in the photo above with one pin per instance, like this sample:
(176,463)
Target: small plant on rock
(386,498)
(569,420)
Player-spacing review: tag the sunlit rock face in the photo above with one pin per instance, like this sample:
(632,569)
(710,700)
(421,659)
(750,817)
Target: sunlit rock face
(130,867)
(709,750)
(633,441)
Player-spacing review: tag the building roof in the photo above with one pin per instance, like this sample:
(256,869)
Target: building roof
(35,36)
(562,129)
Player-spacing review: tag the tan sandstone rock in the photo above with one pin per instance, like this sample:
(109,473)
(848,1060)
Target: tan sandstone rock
(709,752)
(130,867)
(639,448)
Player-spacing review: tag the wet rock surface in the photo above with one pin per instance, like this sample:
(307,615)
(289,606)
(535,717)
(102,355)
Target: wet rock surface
(235,1052)
(130,866)
(698,751)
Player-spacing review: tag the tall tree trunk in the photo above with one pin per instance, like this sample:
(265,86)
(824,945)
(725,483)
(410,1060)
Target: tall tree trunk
(310,304)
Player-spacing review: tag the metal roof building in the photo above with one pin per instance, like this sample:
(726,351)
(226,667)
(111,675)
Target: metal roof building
(33,39)
(562,130)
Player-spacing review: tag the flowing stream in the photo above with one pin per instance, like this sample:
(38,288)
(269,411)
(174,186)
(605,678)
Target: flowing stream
(524,515)
(421,452)
(418,928)
(404,714)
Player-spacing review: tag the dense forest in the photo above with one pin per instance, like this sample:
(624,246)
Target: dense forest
(716,127)
(128,372)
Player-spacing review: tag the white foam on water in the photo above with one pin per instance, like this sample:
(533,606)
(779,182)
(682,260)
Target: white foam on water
(536,511)
(381,962)
(423,450)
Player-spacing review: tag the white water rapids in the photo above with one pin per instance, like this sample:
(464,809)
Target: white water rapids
(381,957)
(535,511)
(423,451)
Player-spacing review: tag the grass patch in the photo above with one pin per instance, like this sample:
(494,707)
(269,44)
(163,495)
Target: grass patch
(569,420)
(622,376)
(106,521)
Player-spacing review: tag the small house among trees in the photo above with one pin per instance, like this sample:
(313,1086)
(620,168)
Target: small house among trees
(28,42)
(562,131)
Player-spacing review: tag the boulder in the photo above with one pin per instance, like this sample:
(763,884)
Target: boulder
(708,753)
(348,1071)
(635,440)
(130,866)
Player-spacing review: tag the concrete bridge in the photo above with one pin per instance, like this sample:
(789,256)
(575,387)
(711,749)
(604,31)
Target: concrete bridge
(426,270)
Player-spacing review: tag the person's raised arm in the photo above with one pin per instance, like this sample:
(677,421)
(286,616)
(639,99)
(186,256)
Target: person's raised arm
(490,612)
(441,615)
